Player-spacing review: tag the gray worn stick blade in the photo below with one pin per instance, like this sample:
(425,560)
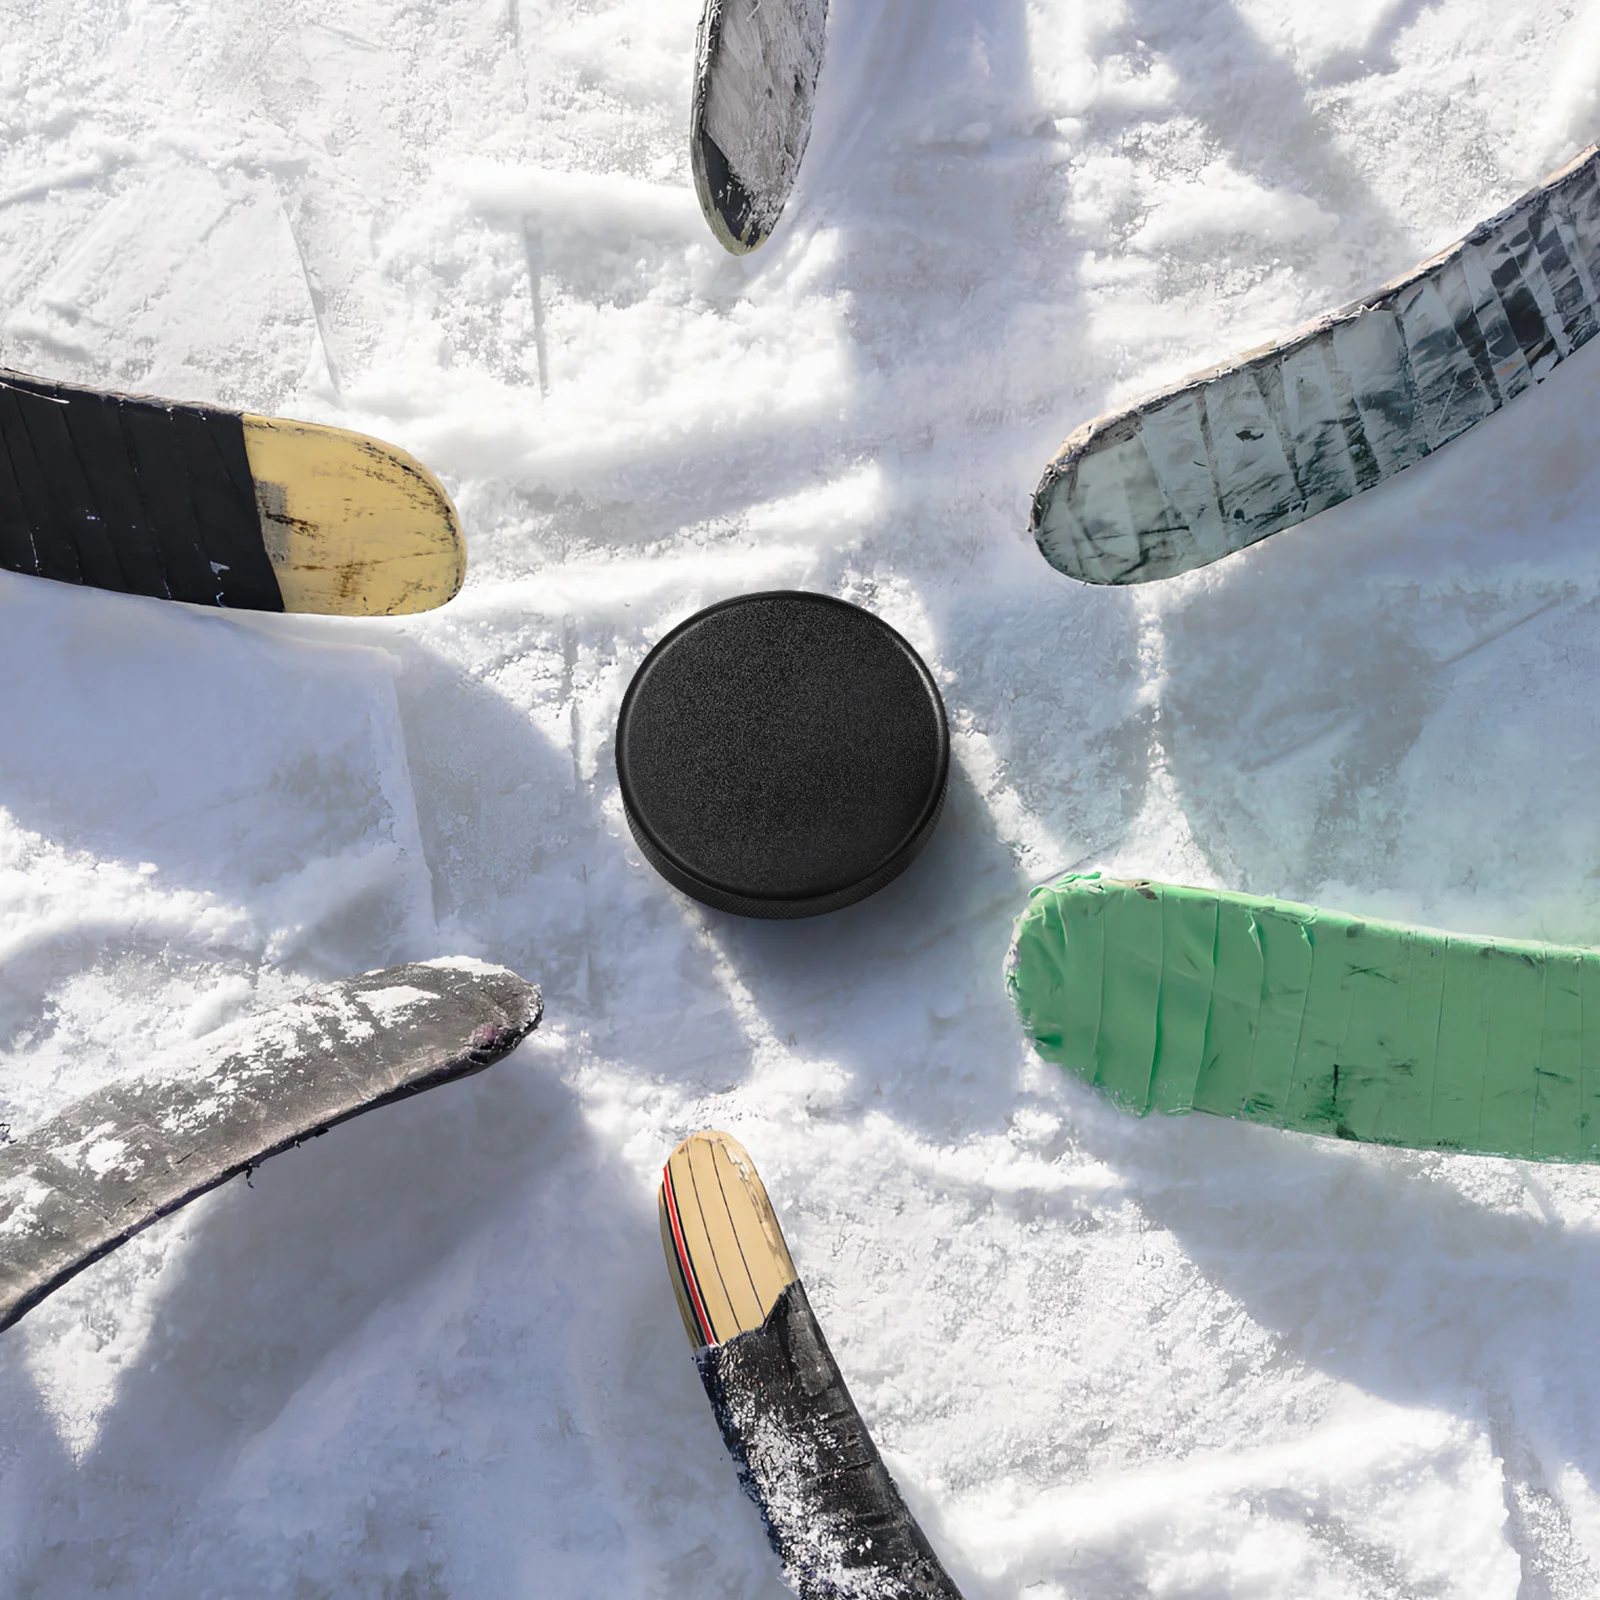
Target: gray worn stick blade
(92,1176)
(756,68)
(1262,442)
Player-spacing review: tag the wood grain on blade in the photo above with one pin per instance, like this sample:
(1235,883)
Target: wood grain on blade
(1242,450)
(725,1250)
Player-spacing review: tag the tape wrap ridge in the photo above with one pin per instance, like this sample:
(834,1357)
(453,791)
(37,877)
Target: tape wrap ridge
(1176,999)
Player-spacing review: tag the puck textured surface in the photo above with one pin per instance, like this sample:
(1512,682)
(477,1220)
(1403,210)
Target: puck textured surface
(782,754)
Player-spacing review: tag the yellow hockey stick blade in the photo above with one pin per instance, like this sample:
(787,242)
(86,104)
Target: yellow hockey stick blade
(725,1250)
(187,502)
(352,526)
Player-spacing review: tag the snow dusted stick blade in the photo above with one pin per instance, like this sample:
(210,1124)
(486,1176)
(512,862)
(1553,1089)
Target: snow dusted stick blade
(804,1456)
(1173,999)
(186,502)
(756,67)
(1231,455)
(110,1164)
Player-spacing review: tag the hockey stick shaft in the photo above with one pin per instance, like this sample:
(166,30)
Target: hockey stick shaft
(832,1512)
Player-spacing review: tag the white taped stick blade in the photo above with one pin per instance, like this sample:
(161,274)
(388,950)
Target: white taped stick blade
(1258,444)
(756,69)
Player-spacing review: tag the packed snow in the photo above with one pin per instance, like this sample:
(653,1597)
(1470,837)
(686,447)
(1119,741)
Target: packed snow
(436,1353)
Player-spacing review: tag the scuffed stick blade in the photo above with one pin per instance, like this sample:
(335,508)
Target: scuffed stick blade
(1226,457)
(1176,999)
(91,1177)
(193,503)
(756,68)
(804,1456)
(353,526)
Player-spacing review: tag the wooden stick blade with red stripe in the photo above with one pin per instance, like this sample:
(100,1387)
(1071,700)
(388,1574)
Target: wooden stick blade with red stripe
(833,1513)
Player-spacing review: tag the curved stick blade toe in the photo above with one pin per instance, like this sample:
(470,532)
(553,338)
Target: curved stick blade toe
(1267,440)
(112,1163)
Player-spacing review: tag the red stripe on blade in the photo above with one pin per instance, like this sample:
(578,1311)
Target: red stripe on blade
(685,1265)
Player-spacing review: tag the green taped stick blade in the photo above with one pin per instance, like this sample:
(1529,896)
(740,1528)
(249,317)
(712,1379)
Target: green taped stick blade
(1174,999)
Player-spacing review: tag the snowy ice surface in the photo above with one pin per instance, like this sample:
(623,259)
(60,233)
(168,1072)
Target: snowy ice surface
(436,1354)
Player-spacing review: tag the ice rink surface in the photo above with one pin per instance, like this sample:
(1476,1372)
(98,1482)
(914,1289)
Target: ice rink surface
(436,1353)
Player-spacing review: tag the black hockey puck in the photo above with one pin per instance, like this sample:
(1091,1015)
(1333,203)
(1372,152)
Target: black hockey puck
(782,754)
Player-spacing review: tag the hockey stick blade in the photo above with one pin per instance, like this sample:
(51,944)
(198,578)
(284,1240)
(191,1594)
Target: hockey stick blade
(803,1454)
(91,1177)
(1174,999)
(218,508)
(1226,457)
(755,81)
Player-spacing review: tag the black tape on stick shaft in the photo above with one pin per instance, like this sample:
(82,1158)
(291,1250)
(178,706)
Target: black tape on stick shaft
(131,495)
(833,1513)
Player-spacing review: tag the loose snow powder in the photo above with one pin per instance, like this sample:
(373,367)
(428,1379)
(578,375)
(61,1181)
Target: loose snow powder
(437,1352)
